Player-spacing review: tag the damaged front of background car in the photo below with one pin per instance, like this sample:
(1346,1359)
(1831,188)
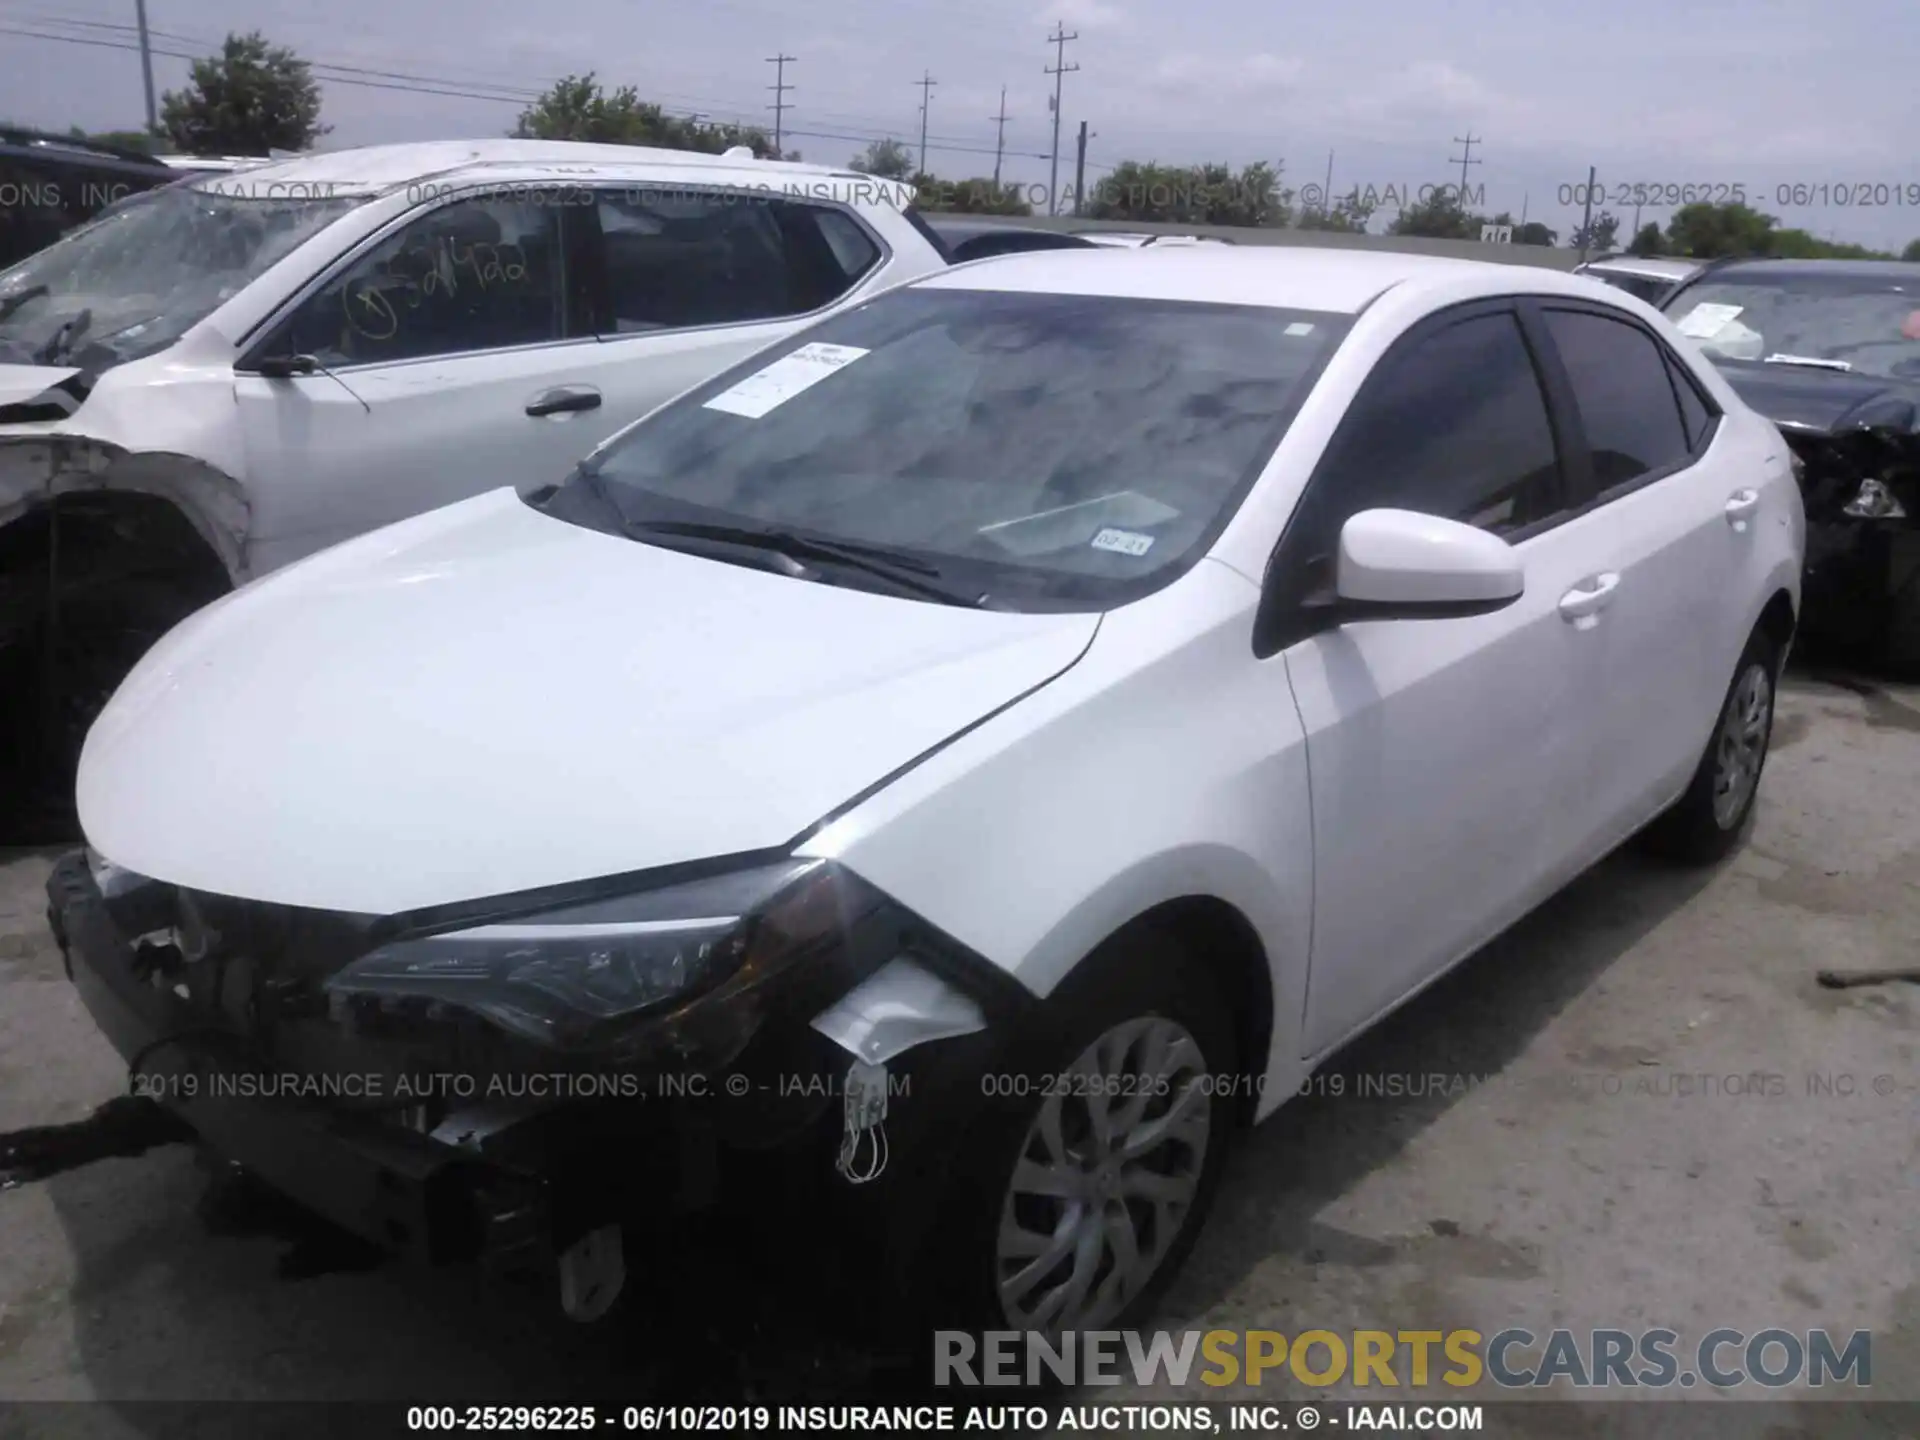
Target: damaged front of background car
(1830,352)
(120,512)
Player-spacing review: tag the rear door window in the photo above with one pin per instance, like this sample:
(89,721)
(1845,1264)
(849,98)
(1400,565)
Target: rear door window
(678,260)
(1624,394)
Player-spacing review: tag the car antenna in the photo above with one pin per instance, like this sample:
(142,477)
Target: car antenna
(343,385)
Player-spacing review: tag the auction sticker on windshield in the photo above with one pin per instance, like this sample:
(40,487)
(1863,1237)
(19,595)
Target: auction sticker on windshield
(1123,542)
(767,389)
(1706,320)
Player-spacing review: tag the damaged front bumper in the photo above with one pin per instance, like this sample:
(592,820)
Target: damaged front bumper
(444,1146)
(1861,489)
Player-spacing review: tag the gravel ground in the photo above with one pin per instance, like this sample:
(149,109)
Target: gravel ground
(1611,1174)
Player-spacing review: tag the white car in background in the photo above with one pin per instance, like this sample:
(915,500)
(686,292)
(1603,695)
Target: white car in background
(1015,730)
(1647,277)
(239,369)
(1129,240)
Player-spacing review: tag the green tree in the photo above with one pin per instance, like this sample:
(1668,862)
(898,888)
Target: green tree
(1535,232)
(1912,252)
(579,108)
(1647,240)
(249,99)
(886,158)
(1706,231)
(1599,235)
(1350,215)
(1191,195)
(1439,216)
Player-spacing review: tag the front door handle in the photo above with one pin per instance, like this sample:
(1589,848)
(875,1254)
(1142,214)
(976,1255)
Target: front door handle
(564,401)
(1740,507)
(1581,606)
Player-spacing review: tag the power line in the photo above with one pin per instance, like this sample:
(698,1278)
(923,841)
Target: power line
(503,94)
(1058,70)
(926,82)
(779,106)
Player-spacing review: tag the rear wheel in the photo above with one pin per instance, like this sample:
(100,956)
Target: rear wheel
(1708,821)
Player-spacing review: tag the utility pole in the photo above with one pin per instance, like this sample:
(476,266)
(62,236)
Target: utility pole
(1326,195)
(1058,69)
(146,64)
(1586,223)
(926,82)
(1000,137)
(779,106)
(1466,158)
(1080,169)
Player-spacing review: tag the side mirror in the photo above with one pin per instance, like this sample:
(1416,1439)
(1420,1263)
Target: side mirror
(1398,564)
(285,367)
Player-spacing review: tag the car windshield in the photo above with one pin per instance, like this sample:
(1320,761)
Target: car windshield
(148,269)
(1862,323)
(1048,451)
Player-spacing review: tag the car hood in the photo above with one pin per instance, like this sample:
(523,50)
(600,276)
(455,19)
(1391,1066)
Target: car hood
(1809,399)
(485,699)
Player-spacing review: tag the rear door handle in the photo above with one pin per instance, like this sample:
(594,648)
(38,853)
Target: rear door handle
(1581,606)
(1740,507)
(564,400)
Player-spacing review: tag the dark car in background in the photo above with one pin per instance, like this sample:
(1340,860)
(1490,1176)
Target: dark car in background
(968,239)
(51,183)
(1829,350)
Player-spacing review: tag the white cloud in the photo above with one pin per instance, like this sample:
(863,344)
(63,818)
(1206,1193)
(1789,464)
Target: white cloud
(1186,74)
(1087,14)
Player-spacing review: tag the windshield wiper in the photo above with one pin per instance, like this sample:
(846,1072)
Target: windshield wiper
(69,331)
(902,570)
(1813,360)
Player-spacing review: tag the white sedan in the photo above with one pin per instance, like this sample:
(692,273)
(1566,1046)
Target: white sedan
(1053,705)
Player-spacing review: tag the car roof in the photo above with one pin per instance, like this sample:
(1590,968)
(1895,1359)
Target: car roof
(379,169)
(1659,266)
(969,226)
(1282,276)
(1861,269)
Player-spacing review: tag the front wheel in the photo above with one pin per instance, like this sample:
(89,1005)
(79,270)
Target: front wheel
(1084,1188)
(1707,822)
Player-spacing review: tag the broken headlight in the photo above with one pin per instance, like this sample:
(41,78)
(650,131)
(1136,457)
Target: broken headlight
(1875,500)
(580,979)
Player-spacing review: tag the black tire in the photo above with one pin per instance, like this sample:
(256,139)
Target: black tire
(1145,976)
(102,635)
(1696,829)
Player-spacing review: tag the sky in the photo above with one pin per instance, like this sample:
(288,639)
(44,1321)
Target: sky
(1766,95)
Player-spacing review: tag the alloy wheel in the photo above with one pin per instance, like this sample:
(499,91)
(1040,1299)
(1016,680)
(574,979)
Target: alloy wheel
(1106,1177)
(1741,746)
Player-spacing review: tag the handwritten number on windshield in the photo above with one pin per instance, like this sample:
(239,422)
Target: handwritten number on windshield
(425,271)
